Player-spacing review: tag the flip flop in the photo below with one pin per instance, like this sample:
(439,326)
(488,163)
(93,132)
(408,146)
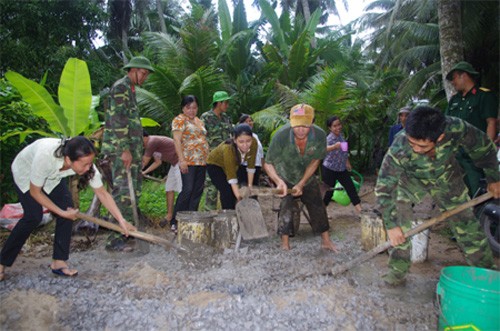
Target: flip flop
(60,272)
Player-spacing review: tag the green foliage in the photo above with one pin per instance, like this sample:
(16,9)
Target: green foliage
(15,116)
(75,114)
(38,36)
(152,202)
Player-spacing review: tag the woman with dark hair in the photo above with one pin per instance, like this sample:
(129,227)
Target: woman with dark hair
(259,160)
(190,139)
(224,160)
(40,172)
(336,165)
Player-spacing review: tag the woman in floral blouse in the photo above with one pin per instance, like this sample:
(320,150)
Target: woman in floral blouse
(190,138)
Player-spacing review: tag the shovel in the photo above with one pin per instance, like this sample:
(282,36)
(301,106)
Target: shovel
(136,234)
(142,246)
(249,214)
(419,228)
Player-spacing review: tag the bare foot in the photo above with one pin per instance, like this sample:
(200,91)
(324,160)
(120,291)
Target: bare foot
(285,247)
(326,243)
(329,246)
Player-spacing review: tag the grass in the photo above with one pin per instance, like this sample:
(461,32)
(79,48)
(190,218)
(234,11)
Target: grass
(152,202)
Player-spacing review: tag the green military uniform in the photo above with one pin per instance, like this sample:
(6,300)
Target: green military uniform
(406,176)
(123,131)
(475,107)
(218,130)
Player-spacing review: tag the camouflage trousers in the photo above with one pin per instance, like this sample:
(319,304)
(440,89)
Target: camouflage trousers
(473,174)
(465,227)
(211,195)
(120,190)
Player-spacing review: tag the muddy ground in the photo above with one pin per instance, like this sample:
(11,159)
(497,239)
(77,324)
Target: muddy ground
(259,288)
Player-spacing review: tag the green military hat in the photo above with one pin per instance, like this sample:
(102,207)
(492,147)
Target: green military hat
(462,66)
(220,96)
(139,62)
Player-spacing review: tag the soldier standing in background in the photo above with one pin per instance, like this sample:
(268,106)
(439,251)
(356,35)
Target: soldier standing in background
(476,105)
(219,129)
(122,142)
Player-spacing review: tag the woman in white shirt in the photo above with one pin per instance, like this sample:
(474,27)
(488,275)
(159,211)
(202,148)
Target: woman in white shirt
(40,172)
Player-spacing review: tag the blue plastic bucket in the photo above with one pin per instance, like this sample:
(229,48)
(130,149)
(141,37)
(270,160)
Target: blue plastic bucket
(468,299)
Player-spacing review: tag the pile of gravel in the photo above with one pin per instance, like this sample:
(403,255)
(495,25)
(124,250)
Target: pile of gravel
(261,287)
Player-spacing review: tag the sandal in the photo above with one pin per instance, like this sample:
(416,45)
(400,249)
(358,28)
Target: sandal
(60,272)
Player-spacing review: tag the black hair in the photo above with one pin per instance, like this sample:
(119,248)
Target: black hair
(239,130)
(425,123)
(242,129)
(186,100)
(75,148)
(145,133)
(330,120)
(243,118)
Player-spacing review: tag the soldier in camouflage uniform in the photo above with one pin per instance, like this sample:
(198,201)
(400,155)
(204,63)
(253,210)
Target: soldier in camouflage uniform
(122,141)
(476,105)
(422,160)
(219,129)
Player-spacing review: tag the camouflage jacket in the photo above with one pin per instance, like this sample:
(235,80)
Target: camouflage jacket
(218,129)
(400,161)
(123,129)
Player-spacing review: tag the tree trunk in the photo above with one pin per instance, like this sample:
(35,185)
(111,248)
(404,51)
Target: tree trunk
(160,16)
(307,17)
(450,39)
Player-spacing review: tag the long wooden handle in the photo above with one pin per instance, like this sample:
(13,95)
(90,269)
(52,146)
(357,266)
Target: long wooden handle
(137,234)
(419,228)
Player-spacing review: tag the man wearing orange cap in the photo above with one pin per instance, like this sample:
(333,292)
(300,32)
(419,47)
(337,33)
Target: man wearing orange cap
(294,154)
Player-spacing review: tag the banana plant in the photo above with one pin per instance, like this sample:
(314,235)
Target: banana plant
(75,114)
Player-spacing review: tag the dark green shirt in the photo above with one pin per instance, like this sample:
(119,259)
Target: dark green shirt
(475,107)
(218,129)
(285,156)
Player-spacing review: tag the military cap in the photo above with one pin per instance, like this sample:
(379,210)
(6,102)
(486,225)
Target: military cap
(139,62)
(462,66)
(220,96)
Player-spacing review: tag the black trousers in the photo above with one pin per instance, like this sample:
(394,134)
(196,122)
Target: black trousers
(32,217)
(192,190)
(330,177)
(243,175)
(219,179)
(311,198)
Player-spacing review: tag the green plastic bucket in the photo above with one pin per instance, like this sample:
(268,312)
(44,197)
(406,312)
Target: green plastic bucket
(468,299)
(340,195)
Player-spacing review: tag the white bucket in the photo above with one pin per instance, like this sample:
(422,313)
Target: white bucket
(419,244)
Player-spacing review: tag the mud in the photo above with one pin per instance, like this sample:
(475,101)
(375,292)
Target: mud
(261,287)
